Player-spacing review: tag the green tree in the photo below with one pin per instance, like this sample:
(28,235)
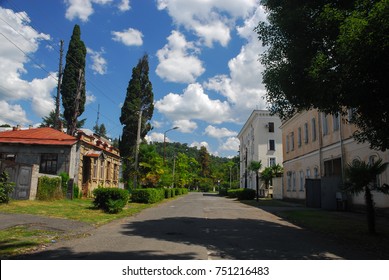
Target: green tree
(362,177)
(100,130)
(204,162)
(329,55)
(73,82)
(255,166)
(138,105)
(49,121)
(151,165)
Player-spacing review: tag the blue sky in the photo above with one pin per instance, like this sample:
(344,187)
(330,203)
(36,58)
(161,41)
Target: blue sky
(203,58)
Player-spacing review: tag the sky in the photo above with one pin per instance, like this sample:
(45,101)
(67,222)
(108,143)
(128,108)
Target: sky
(203,59)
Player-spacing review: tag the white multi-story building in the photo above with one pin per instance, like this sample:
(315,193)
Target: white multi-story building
(260,140)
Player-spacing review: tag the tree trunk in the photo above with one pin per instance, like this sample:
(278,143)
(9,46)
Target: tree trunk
(370,211)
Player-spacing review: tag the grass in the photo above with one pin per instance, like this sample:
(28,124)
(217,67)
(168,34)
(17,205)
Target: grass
(345,227)
(20,239)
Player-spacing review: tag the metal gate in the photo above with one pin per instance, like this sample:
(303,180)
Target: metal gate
(313,193)
(21,175)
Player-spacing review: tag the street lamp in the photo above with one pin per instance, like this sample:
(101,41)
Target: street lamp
(164,142)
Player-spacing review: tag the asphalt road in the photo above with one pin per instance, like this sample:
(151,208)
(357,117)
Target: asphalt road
(200,226)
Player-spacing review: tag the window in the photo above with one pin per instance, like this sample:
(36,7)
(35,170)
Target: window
(272,146)
(325,124)
(48,164)
(301,180)
(373,159)
(316,172)
(115,169)
(289,180)
(351,114)
(313,122)
(336,122)
(287,143)
(308,172)
(95,168)
(292,141)
(272,161)
(102,169)
(293,181)
(306,133)
(271,126)
(108,169)
(299,136)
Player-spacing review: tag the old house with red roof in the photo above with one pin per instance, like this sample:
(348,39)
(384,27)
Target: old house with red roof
(27,154)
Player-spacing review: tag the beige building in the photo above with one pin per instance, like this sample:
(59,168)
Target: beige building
(319,146)
(260,140)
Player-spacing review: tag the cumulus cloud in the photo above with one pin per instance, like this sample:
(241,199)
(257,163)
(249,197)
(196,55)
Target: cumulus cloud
(210,20)
(129,37)
(124,5)
(99,63)
(215,132)
(231,144)
(185,126)
(13,88)
(82,9)
(156,137)
(243,86)
(12,114)
(200,144)
(90,98)
(178,61)
(194,104)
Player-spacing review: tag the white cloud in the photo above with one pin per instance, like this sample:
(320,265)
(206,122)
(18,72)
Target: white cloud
(177,62)
(200,144)
(185,126)
(124,5)
(90,98)
(219,132)
(82,9)
(243,86)
(156,137)
(12,114)
(13,88)
(194,104)
(99,63)
(232,144)
(129,37)
(211,20)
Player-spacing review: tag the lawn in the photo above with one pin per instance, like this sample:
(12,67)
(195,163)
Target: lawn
(345,227)
(20,239)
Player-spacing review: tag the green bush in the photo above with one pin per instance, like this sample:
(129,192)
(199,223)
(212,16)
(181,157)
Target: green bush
(49,188)
(149,195)
(111,200)
(6,188)
(168,193)
(76,191)
(241,194)
(64,182)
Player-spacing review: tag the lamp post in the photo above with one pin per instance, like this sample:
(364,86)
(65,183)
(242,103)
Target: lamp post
(164,142)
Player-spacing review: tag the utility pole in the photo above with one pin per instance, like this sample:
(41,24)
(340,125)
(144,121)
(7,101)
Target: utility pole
(57,99)
(98,116)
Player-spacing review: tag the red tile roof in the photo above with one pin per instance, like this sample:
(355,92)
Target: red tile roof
(37,136)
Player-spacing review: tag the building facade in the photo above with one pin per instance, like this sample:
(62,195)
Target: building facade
(319,146)
(27,154)
(260,140)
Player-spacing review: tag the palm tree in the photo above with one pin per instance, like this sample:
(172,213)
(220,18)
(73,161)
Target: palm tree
(255,166)
(362,177)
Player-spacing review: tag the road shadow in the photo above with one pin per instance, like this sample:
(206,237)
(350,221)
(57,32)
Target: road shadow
(243,239)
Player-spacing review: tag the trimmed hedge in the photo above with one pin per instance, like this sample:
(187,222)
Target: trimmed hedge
(49,188)
(111,200)
(153,195)
(150,195)
(6,188)
(241,194)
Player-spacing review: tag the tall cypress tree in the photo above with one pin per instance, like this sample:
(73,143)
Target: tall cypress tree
(139,98)
(73,83)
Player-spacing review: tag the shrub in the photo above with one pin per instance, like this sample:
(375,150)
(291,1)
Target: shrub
(168,193)
(6,188)
(150,195)
(49,188)
(241,194)
(111,200)
(64,181)
(76,191)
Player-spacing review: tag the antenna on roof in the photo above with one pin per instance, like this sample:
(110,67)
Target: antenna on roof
(98,116)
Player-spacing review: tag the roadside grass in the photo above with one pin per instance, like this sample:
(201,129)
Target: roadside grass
(340,226)
(25,238)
